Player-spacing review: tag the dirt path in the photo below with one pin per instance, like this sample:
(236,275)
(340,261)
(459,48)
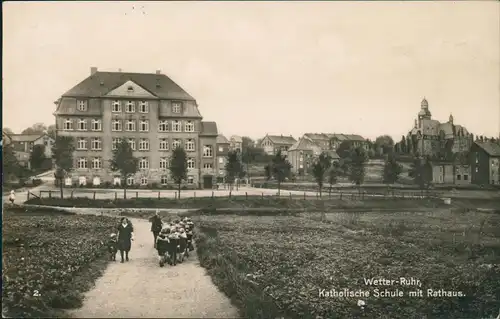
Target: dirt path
(141,289)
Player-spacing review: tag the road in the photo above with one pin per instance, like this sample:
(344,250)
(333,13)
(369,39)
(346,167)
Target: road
(141,289)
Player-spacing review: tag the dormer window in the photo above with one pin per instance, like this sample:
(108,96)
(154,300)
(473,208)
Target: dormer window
(130,89)
(82,105)
(176,107)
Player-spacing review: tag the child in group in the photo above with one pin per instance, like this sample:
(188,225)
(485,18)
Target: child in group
(182,244)
(112,247)
(173,238)
(189,234)
(162,245)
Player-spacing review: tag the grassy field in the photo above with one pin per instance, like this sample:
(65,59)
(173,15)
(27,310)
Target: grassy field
(276,266)
(49,259)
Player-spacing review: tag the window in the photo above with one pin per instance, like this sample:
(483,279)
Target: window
(163,163)
(163,144)
(143,144)
(207,151)
(190,163)
(96,181)
(96,163)
(96,143)
(96,125)
(81,144)
(144,181)
(190,180)
(116,125)
(144,126)
(131,142)
(477,169)
(130,181)
(221,149)
(82,105)
(164,180)
(301,159)
(82,180)
(68,125)
(116,106)
(130,107)
(143,163)
(82,125)
(130,126)
(130,89)
(207,165)
(163,126)
(143,107)
(82,163)
(176,144)
(114,143)
(67,181)
(117,180)
(190,145)
(176,107)
(176,126)
(189,127)
(459,177)
(221,160)
(466,177)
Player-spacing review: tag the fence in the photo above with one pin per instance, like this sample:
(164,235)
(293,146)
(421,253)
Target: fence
(205,194)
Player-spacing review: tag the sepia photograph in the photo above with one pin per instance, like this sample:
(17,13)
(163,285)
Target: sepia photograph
(251,159)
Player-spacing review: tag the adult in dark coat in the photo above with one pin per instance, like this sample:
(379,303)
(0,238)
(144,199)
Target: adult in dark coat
(156,226)
(125,237)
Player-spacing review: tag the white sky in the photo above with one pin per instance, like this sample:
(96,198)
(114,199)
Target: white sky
(268,67)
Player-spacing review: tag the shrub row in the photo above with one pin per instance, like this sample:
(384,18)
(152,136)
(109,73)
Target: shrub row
(50,260)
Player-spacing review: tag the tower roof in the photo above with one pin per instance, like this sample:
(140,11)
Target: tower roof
(424,103)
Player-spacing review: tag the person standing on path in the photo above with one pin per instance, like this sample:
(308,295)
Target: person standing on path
(156,226)
(125,237)
(12,197)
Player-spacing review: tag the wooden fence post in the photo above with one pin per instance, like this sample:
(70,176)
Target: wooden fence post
(28,196)
(246,195)
(230,194)
(50,194)
(290,195)
(94,195)
(116,196)
(212,194)
(72,194)
(340,195)
(262,195)
(158,195)
(304,195)
(194,198)
(136,195)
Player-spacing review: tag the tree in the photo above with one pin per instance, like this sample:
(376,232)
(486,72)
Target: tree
(409,146)
(37,128)
(333,174)
(37,157)
(11,167)
(268,172)
(358,159)
(51,131)
(124,162)
(402,147)
(392,170)
(178,167)
(385,143)
(8,130)
(233,168)
(280,168)
(421,172)
(344,149)
(62,153)
(319,169)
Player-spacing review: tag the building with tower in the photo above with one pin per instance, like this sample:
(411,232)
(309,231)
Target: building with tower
(429,137)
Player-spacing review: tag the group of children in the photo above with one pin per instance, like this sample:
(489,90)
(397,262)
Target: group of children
(175,241)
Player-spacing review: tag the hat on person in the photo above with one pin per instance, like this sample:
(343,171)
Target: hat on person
(112,235)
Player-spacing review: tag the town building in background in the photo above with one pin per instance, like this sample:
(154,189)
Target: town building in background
(274,143)
(303,153)
(485,162)
(222,151)
(23,144)
(236,143)
(149,110)
(429,136)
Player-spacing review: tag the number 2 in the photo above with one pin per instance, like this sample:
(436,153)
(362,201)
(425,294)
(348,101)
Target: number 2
(36,293)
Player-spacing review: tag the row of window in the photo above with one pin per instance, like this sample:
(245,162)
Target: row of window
(82,180)
(144,145)
(130,106)
(96,163)
(129,125)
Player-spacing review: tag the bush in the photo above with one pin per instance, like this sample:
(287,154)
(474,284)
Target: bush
(49,261)
(274,267)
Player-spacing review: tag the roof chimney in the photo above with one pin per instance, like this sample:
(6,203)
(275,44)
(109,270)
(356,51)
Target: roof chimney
(93,70)
(119,70)
(158,71)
